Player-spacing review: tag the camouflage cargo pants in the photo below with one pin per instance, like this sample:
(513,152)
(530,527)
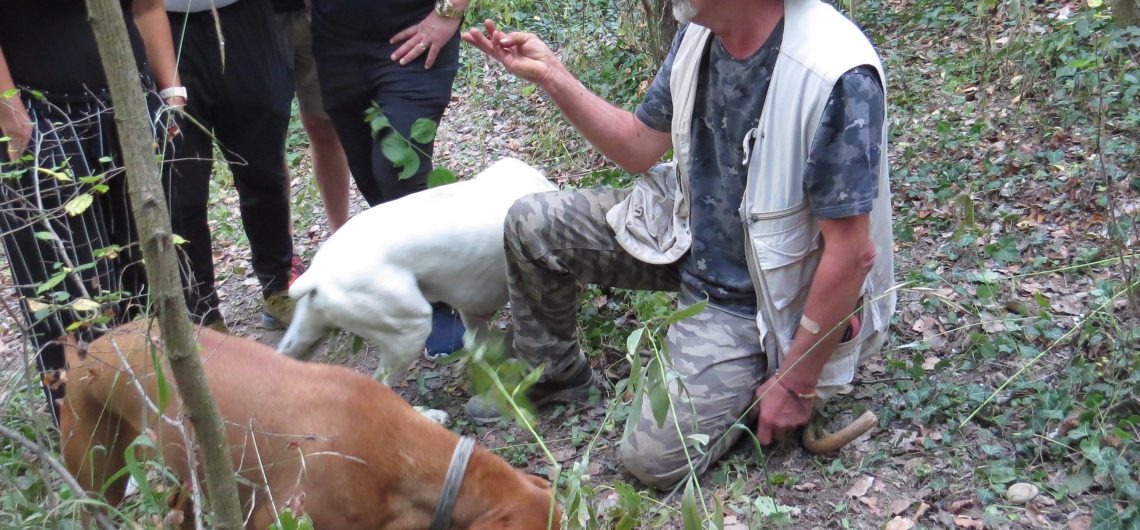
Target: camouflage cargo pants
(558,241)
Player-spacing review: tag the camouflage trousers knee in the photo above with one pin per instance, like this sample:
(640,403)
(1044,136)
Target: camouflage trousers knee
(719,361)
(556,242)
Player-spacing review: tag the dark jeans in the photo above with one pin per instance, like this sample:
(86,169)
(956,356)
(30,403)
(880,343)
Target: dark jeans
(244,104)
(355,74)
(74,136)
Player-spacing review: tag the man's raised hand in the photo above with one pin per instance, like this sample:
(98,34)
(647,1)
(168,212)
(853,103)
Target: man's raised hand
(522,54)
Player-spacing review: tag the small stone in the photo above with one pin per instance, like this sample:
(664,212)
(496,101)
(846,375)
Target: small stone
(1021,493)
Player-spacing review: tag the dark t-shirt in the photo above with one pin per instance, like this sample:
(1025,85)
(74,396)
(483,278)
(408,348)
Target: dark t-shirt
(49,45)
(841,178)
(368,19)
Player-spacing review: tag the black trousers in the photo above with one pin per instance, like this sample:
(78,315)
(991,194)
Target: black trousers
(62,258)
(244,104)
(355,74)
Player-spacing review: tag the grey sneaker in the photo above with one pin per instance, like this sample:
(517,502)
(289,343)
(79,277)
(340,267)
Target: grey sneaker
(482,410)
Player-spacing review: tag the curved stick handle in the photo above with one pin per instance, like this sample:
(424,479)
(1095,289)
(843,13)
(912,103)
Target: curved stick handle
(832,442)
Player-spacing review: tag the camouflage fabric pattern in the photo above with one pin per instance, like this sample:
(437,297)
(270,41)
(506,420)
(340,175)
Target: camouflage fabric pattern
(558,241)
(842,175)
(719,358)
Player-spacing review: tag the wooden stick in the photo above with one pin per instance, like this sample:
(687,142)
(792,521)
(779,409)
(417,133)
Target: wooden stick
(833,442)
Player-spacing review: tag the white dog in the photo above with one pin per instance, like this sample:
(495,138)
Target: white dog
(378,275)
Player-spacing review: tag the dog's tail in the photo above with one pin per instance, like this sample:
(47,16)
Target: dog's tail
(306,327)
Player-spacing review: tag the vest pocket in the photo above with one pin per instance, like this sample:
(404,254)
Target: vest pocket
(782,242)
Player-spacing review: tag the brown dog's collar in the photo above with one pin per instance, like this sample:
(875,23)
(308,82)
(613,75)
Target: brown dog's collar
(452,483)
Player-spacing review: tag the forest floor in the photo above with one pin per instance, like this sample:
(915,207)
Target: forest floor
(1014,347)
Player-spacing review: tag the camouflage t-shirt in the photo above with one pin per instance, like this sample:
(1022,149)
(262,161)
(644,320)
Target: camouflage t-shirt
(841,178)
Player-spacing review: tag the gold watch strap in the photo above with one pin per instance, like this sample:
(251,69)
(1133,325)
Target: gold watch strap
(446,8)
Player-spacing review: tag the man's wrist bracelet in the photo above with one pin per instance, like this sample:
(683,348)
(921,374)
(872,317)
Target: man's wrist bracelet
(171,92)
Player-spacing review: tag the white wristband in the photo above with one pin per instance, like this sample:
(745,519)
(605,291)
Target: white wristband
(172,91)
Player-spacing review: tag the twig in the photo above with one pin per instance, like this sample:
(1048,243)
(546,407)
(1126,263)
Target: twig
(66,476)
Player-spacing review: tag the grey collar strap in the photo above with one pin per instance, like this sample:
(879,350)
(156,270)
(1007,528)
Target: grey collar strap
(452,483)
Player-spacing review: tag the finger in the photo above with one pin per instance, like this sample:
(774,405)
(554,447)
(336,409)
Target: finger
(409,51)
(404,35)
(763,432)
(432,53)
(490,25)
(477,39)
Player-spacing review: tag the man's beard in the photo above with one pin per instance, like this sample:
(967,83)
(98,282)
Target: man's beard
(684,11)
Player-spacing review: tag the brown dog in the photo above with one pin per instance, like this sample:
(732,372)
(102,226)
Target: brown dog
(356,453)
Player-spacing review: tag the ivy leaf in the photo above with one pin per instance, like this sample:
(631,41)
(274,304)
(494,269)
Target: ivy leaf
(51,282)
(423,130)
(377,121)
(85,305)
(397,150)
(46,236)
(79,204)
(58,175)
(439,177)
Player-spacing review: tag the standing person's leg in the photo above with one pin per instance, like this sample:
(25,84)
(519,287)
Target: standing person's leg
(189,163)
(346,92)
(721,362)
(251,121)
(557,242)
(77,260)
(330,167)
(405,94)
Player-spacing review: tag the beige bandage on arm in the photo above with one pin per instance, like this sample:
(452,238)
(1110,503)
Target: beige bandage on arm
(810,325)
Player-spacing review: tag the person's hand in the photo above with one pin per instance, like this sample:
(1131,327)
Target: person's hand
(16,125)
(522,54)
(781,410)
(427,37)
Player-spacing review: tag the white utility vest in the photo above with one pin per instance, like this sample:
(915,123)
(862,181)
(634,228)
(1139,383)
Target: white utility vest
(782,235)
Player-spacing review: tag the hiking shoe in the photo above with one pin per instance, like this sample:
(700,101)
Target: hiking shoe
(483,410)
(446,332)
(296,269)
(278,310)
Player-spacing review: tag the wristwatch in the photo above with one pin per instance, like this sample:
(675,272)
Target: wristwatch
(446,8)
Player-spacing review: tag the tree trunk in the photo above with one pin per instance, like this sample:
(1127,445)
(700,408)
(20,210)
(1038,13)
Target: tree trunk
(1126,13)
(153,221)
(660,26)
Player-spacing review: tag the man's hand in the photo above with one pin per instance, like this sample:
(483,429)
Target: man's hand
(522,54)
(429,36)
(781,411)
(15,124)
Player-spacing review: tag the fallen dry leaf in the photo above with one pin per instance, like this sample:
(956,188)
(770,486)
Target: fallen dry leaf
(1080,522)
(899,523)
(898,506)
(958,506)
(861,486)
(922,507)
(964,521)
(872,503)
(806,486)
